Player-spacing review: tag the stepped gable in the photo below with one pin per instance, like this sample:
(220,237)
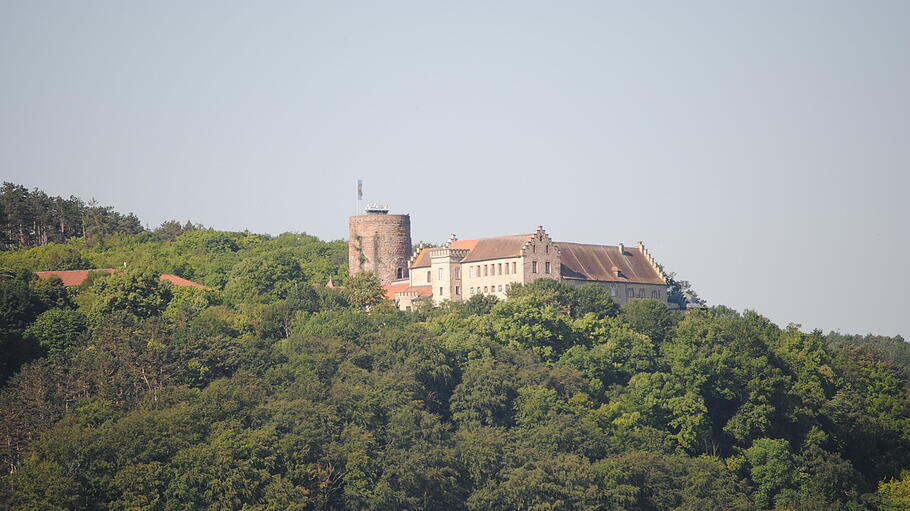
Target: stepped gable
(500,247)
(600,262)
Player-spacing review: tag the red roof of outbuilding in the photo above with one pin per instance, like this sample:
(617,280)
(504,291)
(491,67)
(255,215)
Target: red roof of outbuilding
(76,277)
(71,277)
(180,281)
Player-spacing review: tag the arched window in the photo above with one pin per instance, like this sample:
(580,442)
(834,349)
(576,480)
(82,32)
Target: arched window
(399,273)
(655,294)
(630,293)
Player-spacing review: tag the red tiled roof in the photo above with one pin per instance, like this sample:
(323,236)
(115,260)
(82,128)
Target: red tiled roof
(182,282)
(596,262)
(496,248)
(71,277)
(464,244)
(76,277)
(391,290)
(422,291)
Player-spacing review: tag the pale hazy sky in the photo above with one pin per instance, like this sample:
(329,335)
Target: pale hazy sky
(760,149)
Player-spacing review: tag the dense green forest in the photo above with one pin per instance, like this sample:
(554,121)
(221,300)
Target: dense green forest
(274,392)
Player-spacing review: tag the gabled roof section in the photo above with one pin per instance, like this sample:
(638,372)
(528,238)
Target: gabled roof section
(421,259)
(499,247)
(464,244)
(597,262)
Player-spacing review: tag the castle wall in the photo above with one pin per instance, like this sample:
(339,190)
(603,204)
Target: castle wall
(623,292)
(380,243)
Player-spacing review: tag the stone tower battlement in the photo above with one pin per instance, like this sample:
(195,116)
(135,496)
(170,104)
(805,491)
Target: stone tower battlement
(381,243)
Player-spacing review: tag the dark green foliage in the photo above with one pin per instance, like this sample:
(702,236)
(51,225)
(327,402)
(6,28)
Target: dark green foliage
(280,393)
(56,330)
(32,218)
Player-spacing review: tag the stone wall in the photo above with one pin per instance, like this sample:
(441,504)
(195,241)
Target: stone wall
(380,243)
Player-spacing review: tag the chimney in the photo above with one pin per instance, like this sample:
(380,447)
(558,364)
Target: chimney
(622,249)
(616,272)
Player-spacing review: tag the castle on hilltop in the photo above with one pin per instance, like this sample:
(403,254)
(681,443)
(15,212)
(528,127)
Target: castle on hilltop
(381,243)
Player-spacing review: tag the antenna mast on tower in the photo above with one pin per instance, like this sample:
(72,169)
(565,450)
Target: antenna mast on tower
(359,196)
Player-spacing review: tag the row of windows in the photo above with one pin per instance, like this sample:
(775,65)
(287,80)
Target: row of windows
(490,289)
(483,270)
(630,293)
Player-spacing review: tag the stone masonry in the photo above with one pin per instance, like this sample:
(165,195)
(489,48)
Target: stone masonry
(381,243)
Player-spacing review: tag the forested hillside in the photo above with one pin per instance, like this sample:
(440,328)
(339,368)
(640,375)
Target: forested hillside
(275,392)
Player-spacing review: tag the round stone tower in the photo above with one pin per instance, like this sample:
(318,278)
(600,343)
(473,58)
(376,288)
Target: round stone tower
(381,243)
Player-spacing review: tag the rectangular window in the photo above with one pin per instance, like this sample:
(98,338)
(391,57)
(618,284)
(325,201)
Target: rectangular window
(534,267)
(457,290)
(429,276)
(513,267)
(547,267)
(440,291)
(499,269)
(440,274)
(457,272)
(500,288)
(630,293)
(472,290)
(470,271)
(484,270)
(484,289)
(548,248)
(507,268)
